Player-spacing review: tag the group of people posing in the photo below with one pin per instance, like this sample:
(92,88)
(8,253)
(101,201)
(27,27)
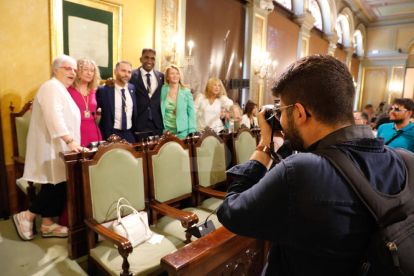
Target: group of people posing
(137,104)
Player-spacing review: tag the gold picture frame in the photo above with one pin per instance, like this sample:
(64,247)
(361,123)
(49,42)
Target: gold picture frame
(56,25)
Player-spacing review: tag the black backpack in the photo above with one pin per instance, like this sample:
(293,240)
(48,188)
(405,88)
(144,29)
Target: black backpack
(391,249)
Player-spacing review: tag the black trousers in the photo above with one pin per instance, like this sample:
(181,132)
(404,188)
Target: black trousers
(150,126)
(50,200)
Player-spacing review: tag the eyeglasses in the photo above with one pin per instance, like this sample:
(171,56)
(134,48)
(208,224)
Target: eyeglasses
(397,109)
(278,111)
(69,69)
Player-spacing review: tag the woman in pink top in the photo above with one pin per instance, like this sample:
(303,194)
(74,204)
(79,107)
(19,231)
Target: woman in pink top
(83,93)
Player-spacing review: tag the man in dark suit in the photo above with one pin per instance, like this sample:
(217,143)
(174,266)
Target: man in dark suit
(148,83)
(118,104)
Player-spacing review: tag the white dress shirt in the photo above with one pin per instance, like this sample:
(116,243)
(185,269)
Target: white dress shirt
(245,120)
(55,114)
(209,115)
(118,106)
(154,81)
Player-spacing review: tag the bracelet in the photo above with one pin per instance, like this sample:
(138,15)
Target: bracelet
(69,141)
(265,149)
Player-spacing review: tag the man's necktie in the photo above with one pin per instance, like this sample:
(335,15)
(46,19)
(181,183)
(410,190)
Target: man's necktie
(149,92)
(123,111)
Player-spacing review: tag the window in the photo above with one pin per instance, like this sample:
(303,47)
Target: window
(285,3)
(339,31)
(316,13)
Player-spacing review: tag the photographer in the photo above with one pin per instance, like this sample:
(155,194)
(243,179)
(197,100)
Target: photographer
(316,222)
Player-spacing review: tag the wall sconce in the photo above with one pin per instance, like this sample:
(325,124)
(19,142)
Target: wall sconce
(172,55)
(263,70)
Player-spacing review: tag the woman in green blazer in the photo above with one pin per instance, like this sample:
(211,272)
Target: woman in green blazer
(177,104)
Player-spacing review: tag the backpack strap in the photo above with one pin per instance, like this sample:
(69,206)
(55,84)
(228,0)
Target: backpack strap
(386,209)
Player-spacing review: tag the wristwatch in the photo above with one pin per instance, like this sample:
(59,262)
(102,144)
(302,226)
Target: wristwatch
(268,151)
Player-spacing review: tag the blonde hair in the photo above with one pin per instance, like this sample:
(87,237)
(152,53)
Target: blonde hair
(209,87)
(166,81)
(92,85)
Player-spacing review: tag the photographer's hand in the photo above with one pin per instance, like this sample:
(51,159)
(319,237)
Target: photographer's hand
(266,132)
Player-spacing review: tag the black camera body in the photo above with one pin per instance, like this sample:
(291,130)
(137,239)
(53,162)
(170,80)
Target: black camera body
(270,115)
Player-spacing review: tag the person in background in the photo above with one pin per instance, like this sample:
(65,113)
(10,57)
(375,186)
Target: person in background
(249,117)
(225,118)
(208,106)
(118,104)
(83,93)
(369,109)
(177,104)
(400,132)
(54,127)
(361,118)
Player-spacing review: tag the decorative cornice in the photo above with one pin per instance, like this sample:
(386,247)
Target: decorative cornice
(332,38)
(304,20)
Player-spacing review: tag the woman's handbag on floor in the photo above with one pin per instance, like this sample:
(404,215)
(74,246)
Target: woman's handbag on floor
(134,227)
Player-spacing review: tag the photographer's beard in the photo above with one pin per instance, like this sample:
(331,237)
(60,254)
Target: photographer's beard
(397,121)
(292,134)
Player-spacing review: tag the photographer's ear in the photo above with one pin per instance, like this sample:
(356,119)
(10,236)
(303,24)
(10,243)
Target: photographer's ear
(300,116)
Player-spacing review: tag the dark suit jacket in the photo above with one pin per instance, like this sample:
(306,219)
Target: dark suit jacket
(144,102)
(105,96)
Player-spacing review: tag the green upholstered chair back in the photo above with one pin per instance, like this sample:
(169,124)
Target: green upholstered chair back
(171,172)
(117,174)
(22,129)
(245,146)
(211,162)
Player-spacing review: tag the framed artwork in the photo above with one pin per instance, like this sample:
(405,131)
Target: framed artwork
(87,28)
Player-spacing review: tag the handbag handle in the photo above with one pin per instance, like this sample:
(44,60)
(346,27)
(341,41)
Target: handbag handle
(119,201)
(135,213)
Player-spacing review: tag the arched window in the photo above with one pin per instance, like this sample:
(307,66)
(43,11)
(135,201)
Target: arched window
(316,13)
(339,32)
(285,3)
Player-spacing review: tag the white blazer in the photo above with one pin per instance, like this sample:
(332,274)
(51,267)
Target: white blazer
(245,120)
(209,115)
(55,114)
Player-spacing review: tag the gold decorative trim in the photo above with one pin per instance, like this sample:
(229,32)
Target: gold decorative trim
(56,25)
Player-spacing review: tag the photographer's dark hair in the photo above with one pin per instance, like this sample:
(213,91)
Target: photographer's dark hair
(248,109)
(406,102)
(323,85)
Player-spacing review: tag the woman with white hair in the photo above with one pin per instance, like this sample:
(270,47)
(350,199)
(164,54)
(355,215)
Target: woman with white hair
(54,127)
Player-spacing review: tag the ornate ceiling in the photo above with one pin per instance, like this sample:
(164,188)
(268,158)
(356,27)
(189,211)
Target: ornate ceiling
(386,11)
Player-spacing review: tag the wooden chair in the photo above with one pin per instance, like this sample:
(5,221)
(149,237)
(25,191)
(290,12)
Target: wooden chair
(244,144)
(19,123)
(171,179)
(210,163)
(118,170)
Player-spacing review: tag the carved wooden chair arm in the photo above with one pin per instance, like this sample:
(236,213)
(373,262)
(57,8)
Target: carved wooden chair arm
(211,193)
(18,159)
(187,218)
(124,245)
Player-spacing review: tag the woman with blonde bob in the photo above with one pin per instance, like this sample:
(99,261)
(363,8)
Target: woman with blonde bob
(208,106)
(177,104)
(84,95)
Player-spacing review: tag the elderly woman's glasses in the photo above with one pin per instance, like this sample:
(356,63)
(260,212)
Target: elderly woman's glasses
(70,69)
(397,109)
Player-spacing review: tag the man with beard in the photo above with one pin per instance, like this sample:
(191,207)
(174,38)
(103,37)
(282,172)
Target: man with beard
(118,104)
(316,222)
(400,132)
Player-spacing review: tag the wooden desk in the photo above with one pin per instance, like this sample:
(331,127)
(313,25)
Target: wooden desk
(218,253)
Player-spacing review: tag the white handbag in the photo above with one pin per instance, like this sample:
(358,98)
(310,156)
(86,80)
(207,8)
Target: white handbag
(134,227)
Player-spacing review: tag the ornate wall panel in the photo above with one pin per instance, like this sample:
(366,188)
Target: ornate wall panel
(258,48)
(374,86)
(170,26)
(396,85)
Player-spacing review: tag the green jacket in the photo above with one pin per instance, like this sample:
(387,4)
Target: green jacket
(186,117)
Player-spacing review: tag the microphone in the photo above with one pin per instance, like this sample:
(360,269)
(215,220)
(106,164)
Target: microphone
(203,228)
(150,137)
(227,35)
(95,144)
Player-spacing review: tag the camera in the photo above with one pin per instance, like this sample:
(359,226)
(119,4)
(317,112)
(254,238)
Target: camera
(270,115)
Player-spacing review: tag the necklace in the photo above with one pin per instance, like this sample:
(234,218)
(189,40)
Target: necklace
(125,108)
(86,112)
